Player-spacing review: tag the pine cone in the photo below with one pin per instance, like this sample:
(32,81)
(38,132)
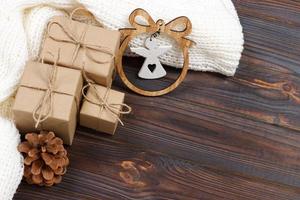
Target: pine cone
(45,158)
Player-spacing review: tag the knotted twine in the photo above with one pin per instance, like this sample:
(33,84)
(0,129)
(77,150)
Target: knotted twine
(47,99)
(78,41)
(114,108)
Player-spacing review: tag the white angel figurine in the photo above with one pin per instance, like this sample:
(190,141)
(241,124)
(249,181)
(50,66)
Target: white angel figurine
(152,68)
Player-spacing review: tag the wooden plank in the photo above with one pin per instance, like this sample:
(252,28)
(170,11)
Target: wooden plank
(263,95)
(207,135)
(105,169)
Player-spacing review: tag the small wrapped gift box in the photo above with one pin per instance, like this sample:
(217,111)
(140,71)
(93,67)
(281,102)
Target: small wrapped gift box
(48,99)
(101,109)
(82,46)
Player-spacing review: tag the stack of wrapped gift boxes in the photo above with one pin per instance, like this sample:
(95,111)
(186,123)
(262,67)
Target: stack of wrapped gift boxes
(50,97)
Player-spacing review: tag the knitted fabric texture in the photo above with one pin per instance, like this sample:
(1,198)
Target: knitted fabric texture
(5,108)
(216,30)
(11,161)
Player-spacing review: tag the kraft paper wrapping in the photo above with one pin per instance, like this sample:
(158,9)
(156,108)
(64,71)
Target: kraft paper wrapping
(88,35)
(66,98)
(97,117)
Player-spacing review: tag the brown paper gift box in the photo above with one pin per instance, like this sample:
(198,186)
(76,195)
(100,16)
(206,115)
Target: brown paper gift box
(66,97)
(97,117)
(94,35)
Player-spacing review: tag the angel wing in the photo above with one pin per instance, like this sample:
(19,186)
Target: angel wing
(162,50)
(140,51)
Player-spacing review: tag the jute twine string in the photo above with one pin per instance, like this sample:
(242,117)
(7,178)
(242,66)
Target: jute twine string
(46,102)
(102,102)
(114,108)
(78,41)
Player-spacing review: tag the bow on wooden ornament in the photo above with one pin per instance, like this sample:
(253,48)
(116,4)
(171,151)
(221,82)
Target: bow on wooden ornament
(160,27)
(177,29)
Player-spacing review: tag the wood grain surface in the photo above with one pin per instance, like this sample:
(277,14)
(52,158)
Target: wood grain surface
(212,138)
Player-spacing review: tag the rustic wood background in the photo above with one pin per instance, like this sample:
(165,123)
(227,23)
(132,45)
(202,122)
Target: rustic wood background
(213,138)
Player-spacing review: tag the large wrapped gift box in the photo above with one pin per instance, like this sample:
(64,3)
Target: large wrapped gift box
(81,46)
(63,105)
(100,118)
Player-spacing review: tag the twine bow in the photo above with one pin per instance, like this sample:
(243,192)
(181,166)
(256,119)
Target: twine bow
(47,100)
(160,26)
(114,108)
(78,41)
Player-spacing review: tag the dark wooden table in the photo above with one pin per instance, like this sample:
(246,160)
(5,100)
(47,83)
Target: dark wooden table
(213,138)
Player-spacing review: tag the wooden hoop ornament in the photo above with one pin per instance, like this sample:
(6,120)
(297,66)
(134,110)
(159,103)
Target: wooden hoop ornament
(155,28)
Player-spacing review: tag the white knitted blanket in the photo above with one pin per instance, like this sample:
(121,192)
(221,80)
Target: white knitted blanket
(11,161)
(216,30)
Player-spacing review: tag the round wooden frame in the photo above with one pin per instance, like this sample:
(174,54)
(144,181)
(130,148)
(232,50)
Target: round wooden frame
(155,27)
